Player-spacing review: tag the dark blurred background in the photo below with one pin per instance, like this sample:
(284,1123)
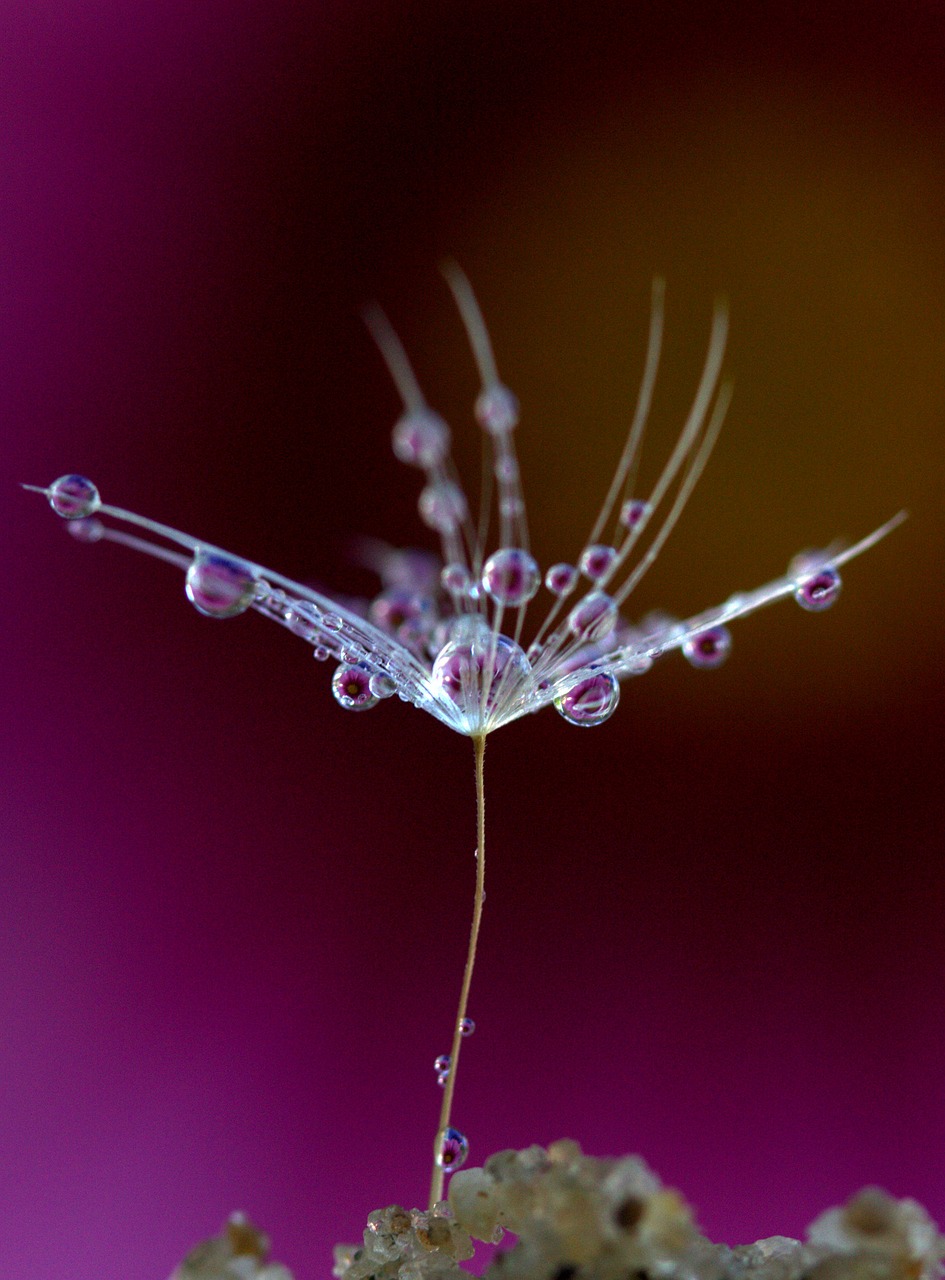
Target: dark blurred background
(234,916)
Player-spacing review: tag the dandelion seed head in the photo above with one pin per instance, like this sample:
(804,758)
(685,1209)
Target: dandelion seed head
(448,635)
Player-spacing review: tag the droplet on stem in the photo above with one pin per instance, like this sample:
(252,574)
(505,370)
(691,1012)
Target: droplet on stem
(219,587)
(590,702)
(73,497)
(452,1149)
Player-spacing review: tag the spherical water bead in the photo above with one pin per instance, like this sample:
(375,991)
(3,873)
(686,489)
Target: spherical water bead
(560,579)
(594,618)
(819,591)
(634,512)
(465,669)
(219,587)
(86,529)
(320,653)
(421,438)
(452,1149)
(332,621)
(383,685)
(496,409)
(597,561)
(443,506)
(708,649)
(456,579)
(590,702)
(442,1064)
(511,576)
(73,497)
(393,608)
(466,1026)
(351,685)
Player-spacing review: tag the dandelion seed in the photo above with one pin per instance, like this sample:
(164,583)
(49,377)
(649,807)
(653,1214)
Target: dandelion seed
(450,641)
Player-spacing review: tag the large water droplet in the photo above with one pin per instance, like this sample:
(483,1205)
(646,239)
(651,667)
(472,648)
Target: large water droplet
(818,591)
(421,438)
(452,1149)
(443,506)
(511,576)
(219,587)
(597,561)
(594,618)
(496,409)
(466,1026)
(478,670)
(590,702)
(73,497)
(560,579)
(351,685)
(709,648)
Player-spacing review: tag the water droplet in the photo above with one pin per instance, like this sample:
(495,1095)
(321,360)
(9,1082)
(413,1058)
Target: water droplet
(442,1064)
(634,512)
(73,497)
(320,653)
(383,685)
(395,608)
(597,561)
(709,648)
(594,618)
(510,507)
(560,579)
(476,673)
(819,591)
(421,438)
(466,1026)
(590,702)
(455,579)
(452,1149)
(351,685)
(219,587)
(86,529)
(496,409)
(332,622)
(442,1079)
(511,576)
(443,506)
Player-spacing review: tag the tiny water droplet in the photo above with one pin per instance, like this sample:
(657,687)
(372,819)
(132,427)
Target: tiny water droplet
(421,438)
(632,513)
(560,579)
(332,622)
(597,560)
(511,576)
(351,685)
(383,685)
(320,653)
(819,591)
(73,497)
(86,529)
(709,648)
(496,409)
(590,702)
(452,1149)
(455,579)
(442,1079)
(443,506)
(466,1026)
(442,1063)
(219,587)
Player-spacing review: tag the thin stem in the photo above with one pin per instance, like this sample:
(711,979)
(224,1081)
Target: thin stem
(436,1180)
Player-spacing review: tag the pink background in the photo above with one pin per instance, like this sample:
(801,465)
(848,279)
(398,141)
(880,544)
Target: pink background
(233,916)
